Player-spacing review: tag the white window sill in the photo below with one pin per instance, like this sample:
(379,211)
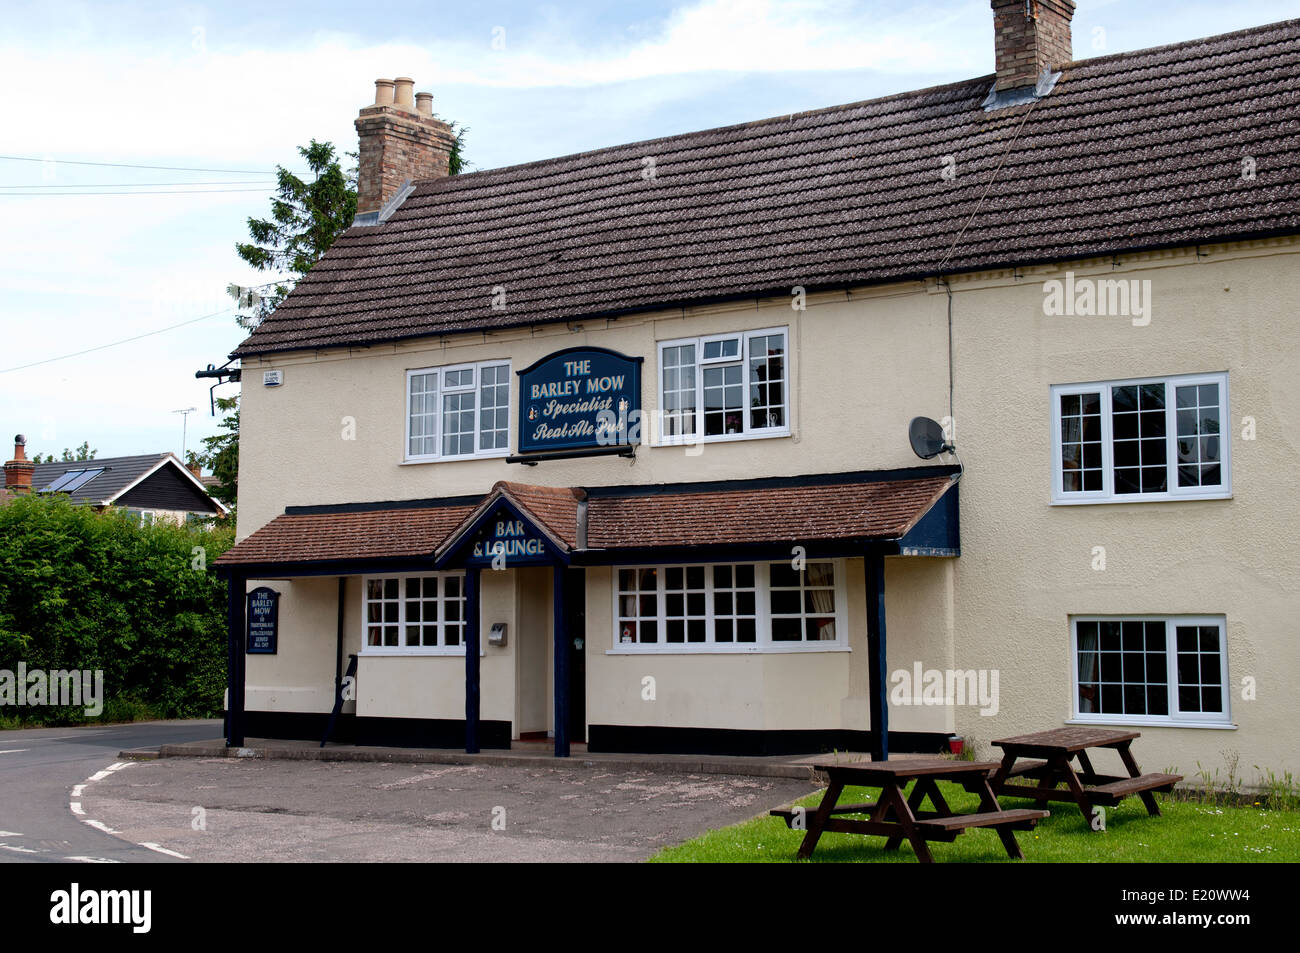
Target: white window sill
(678,441)
(1143,498)
(418,653)
(1152,723)
(494,455)
(677,649)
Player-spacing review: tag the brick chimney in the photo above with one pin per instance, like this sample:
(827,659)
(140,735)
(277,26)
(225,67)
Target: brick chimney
(401,141)
(18,471)
(1030,36)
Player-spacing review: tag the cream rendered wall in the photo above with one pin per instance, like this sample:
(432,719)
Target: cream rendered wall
(300,676)
(1026,565)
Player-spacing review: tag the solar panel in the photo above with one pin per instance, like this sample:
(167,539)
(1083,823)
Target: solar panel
(72,480)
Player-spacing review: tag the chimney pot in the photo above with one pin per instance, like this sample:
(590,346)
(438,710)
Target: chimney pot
(404,86)
(399,144)
(18,471)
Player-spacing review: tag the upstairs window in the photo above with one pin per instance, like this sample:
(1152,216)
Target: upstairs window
(457,412)
(724,386)
(1152,439)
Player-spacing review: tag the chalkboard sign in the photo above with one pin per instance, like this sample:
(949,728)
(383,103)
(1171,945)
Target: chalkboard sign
(580,398)
(263,621)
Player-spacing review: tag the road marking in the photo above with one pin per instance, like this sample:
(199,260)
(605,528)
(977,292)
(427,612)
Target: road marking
(77,809)
(14,750)
(100,826)
(77,789)
(19,850)
(163,850)
(10,834)
(95,860)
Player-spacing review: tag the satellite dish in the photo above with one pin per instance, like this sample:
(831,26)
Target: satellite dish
(927,438)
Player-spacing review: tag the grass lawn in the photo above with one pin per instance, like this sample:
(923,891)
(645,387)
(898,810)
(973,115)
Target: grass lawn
(1188,832)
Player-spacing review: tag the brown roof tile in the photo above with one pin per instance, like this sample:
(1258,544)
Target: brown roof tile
(373,534)
(1136,150)
(881,510)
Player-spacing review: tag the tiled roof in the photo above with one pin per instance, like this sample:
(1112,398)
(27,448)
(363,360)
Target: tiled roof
(119,473)
(372,534)
(1132,151)
(882,509)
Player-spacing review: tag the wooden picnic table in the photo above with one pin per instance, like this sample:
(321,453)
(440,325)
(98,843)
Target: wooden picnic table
(896,817)
(1050,754)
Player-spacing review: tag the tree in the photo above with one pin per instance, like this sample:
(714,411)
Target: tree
(222,453)
(69,456)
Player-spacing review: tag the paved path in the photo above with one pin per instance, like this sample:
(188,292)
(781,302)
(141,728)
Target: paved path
(275,810)
(41,768)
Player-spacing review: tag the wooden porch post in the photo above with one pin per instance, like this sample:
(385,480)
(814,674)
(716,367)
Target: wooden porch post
(471,659)
(561,663)
(236,589)
(874,561)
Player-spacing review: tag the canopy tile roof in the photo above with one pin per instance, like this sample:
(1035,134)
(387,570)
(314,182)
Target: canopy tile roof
(1138,150)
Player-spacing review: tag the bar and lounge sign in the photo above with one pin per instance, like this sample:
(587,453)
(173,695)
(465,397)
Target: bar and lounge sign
(263,621)
(579,398)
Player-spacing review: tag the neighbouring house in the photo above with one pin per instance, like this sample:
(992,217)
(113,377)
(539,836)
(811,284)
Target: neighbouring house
(613,448)
(152,486)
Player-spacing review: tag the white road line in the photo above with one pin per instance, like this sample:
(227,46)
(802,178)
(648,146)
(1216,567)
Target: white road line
(100,826)
(14,750)
(99,776)
(162,850)
(10,834)
(77,809)
(95,860)
(19,850)
(77,789)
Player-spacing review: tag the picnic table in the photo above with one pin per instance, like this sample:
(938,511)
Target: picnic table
(1046,755)
(896,817)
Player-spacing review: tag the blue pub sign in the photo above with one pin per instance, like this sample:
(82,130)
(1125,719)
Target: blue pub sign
(506,540)
(579,398)
(263,621)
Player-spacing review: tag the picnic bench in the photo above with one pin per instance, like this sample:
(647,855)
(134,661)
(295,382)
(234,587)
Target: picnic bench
(1045,757)
(898,818)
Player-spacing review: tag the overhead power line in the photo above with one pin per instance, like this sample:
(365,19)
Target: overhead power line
(127,165)
(123,185)
(101,347)
(32,195)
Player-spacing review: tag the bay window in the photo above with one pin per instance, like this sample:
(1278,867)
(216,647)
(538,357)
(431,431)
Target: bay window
(744,607)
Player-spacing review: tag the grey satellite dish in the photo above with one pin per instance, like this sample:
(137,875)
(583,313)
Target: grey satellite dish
(927,437)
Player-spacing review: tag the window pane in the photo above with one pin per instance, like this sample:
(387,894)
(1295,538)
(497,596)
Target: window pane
(767,381)
(1138,425)
(1080,442)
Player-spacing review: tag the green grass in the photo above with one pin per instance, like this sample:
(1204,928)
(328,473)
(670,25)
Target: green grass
(1187,832)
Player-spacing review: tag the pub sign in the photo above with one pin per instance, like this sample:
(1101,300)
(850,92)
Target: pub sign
(263,621)
(579,398)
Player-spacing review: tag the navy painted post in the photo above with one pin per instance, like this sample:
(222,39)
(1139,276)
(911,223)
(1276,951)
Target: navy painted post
(874,561)
(471,659)
(236,596)
(561,665)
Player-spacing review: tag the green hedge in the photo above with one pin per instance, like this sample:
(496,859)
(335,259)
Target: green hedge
(81,589)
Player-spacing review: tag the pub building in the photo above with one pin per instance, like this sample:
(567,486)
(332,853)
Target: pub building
(613,449)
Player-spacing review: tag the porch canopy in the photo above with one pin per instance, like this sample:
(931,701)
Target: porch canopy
(868,514)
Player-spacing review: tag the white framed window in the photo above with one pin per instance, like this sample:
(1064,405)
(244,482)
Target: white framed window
(409,614)
(1150,669)
(1160,438)
(724,386)
(458,412)
(720,607)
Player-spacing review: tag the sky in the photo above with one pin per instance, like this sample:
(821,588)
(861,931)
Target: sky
(224,93)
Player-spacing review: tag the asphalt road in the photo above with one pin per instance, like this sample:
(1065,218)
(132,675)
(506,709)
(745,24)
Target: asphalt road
(41,767)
